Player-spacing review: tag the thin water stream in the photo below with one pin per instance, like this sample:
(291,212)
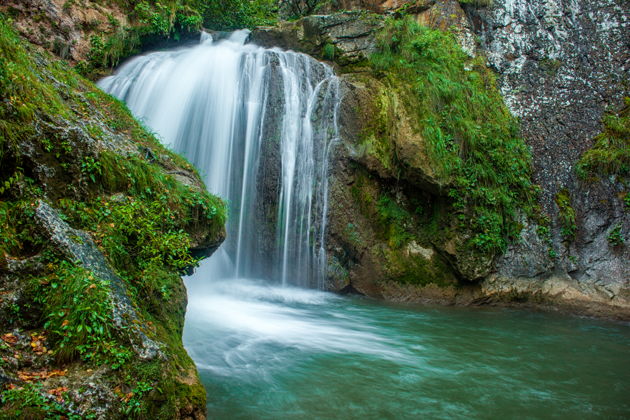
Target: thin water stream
(260,125)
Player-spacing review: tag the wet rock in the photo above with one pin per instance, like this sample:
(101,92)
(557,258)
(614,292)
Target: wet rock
(559,64)
(379,133)
(528,258)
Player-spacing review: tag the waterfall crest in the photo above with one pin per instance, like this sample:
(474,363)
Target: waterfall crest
(259,124)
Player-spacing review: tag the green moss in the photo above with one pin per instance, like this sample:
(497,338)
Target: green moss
(550,66)
(375,136)
(24,93)
(328,51)
(142,218)
(394,221)
(473,140)
(406,268)
(566,214)
(610,155)
(401,230)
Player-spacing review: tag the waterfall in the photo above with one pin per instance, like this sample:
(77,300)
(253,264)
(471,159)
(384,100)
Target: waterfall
(259,124)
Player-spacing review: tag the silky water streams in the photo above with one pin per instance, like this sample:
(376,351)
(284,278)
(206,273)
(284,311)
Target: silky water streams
(260,125)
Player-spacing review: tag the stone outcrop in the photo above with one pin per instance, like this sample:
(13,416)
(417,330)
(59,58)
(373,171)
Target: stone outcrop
(78,246)
(350,34)
(64,27)
(560,65)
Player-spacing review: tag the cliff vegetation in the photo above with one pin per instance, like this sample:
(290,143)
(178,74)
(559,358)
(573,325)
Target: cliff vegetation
(474,142)
(98,221)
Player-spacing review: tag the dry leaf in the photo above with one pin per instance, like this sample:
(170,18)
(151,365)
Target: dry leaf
(9,338)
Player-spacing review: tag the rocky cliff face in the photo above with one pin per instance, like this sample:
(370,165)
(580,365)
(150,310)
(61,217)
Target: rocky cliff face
(560,65)
(95,35)
(65,27)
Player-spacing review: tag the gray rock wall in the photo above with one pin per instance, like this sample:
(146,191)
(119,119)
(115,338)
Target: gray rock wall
(561,64)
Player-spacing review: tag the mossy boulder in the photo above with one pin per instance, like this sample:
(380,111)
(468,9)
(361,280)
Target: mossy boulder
(431,160)
(97,223)
(382,134)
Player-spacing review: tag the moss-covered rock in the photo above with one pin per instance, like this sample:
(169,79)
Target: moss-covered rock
(345,38)
(96,35)
(98,221)
(432,160)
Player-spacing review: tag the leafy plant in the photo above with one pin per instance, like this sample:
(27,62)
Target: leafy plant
(473,139)
(615,238)
(91,167)
(78,312)
(32,401)
(328,52)
(133,400)
(567,215)
(610,155)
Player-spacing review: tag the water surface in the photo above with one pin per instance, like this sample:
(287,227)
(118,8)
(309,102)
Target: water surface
(268,352)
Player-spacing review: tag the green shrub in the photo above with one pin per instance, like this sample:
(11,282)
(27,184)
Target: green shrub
(473,139)
(31,401)
(78,312)
(610,155)
(567,215)
(328,52)
(237,14)
(615,238)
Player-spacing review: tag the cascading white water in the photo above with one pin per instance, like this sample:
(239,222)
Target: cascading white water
(259,124)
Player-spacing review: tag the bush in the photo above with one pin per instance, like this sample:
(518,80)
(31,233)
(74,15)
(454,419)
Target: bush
(610,155)
(567,215)
(78,312)
(238,14)
(615,238)
(473,139)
